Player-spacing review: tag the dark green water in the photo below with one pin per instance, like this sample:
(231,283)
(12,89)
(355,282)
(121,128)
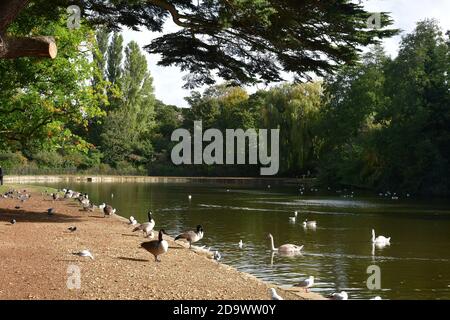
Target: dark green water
(415,266)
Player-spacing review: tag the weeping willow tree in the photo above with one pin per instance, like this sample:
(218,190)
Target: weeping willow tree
(294,109)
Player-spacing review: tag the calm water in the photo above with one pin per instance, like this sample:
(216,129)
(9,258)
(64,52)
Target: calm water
(337,253)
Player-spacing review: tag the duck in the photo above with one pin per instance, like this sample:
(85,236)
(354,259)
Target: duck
(157,247)
(309,224)
(191,236)
(285,248)
(306,283)
(146,227)
(274,294)
(339,296)
(84,253)
(380,240)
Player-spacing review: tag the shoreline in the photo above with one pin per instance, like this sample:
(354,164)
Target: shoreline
(36,255)
(11,179)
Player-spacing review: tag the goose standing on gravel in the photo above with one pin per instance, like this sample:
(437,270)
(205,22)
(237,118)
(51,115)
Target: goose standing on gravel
(191,236)
(285,248)
(339,296)
(274,294)
(380,240)
(306,283)
(157,247)
(146,227)
(84,253)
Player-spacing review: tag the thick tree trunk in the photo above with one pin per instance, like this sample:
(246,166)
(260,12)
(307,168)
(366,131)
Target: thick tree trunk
(15,47)
(9,10)
(41,46)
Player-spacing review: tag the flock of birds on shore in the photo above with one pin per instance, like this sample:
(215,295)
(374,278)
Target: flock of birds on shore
(160,246)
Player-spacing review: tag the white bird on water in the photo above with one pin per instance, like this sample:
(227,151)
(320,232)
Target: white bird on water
(84,253)
(339,296)
(274,294)
(189,197)
(285,248)
(376,298)
(292,219)
(240,244)
(380,240)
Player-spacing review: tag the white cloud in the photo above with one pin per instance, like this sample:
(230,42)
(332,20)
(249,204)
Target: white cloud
(168,81)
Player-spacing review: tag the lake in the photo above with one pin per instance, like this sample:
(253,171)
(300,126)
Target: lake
(337,253)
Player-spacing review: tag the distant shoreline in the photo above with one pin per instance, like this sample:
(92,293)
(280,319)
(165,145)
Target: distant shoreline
(157,179)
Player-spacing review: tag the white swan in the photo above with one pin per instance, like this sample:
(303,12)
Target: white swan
(285,248)
(380,240)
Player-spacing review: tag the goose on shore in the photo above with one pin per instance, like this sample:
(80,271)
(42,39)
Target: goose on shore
(102,206)
(339,296)
(380,240)
(285,248)
(191,236)
(157,247)
(146,227)
(306,283)
(72,228)
(84,253)
(274,295)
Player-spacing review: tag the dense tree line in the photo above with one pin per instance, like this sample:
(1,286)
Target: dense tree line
(379,123)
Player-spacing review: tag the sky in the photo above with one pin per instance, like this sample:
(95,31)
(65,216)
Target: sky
(168,81)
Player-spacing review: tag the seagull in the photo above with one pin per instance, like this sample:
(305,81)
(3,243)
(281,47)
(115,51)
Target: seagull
(13,221)
(72,228)
(102,206)
(339,296)
(217,256)
(240,244)
(306,283)
(274,294)
(84,253)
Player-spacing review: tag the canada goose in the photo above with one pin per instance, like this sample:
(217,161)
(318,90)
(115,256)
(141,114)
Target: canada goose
(240,244)
(191,236)
(306,283)
(381,240)
(285,248)
(84,253)
(72,228)
(309,224)
(146,227)
(13,221)
(157,247)
(108,210)
(339,296)
(55,196)
(274,294)
(217,256)
(50,211)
